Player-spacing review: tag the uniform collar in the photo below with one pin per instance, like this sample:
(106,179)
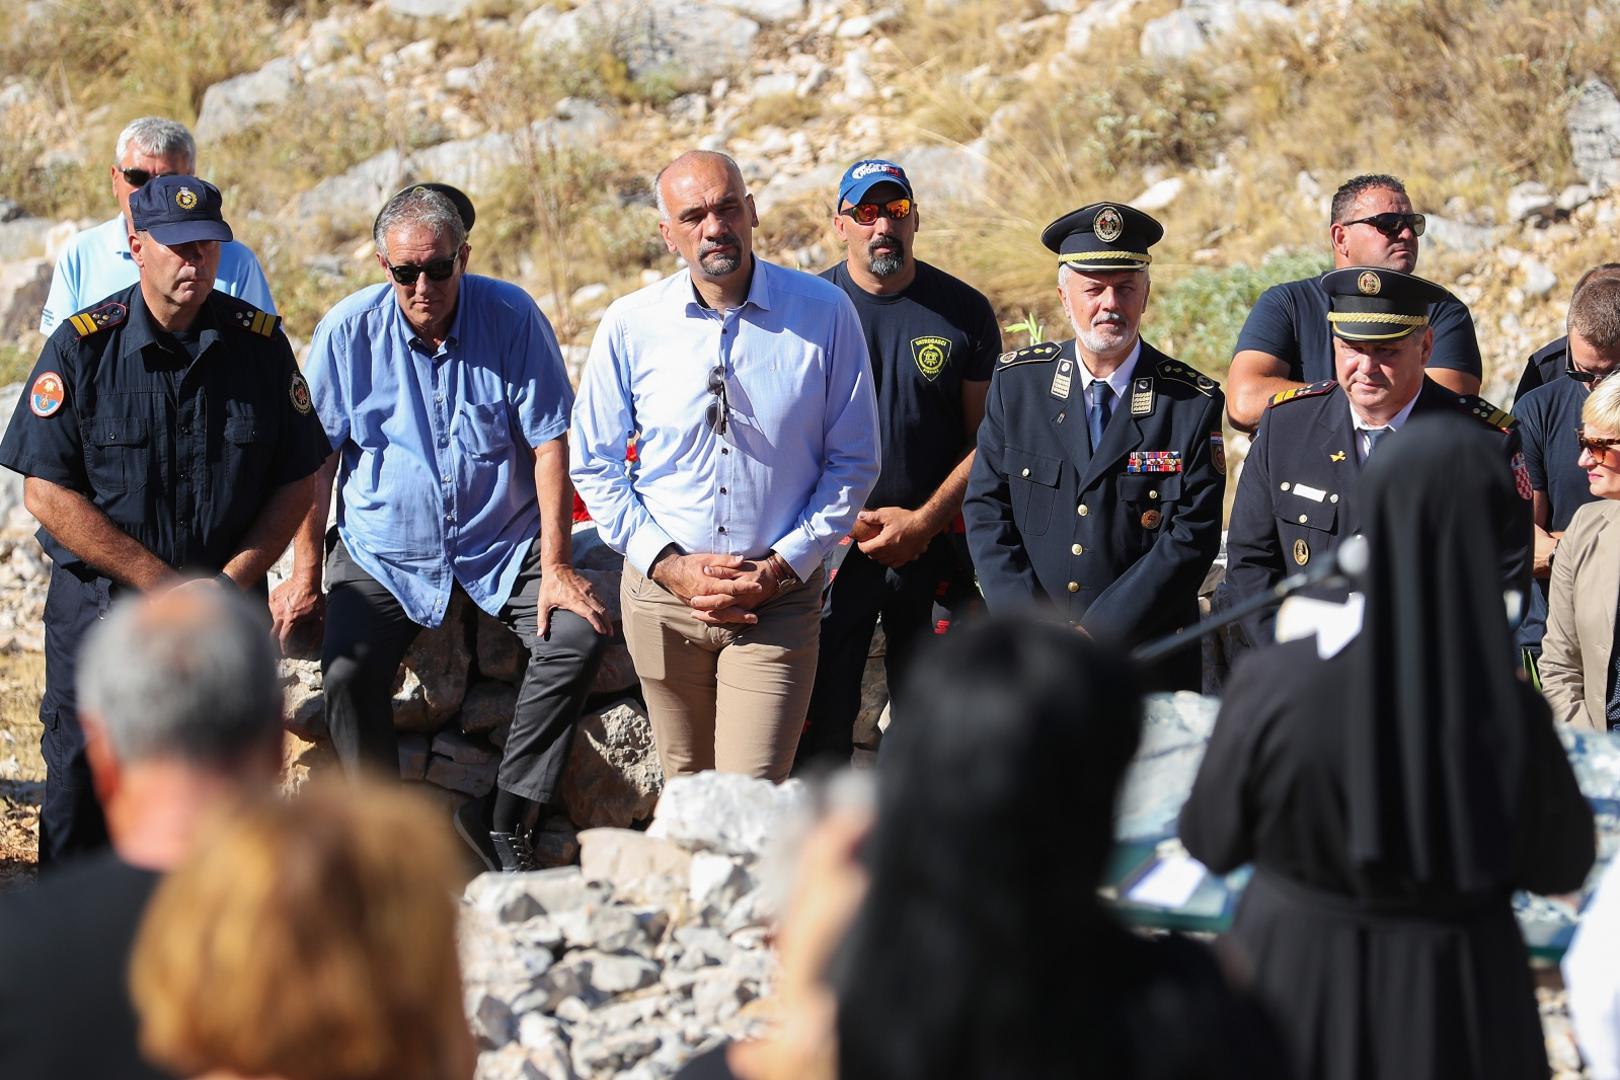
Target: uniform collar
(1120,380)
(140,331)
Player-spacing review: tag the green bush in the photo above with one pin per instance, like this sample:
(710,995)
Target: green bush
(1196,319)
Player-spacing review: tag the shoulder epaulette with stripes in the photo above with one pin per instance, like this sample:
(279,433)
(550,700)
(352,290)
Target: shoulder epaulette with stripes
(1029,354)
(259,322)
(1298,392)
(1481,409)
(103,317)
(1175,369)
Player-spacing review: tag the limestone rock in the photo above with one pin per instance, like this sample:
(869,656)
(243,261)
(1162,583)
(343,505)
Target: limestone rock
(671,42)
(1458,236)
(1530,200)
(488,706)
(1160,195)
(613,777)
(238,103)
(1593,122)
(23,288)
(440,661)
(1182,33)
(514,898)
(431,9)
(727,813)
(25,238)
(1102,15)
(633,864)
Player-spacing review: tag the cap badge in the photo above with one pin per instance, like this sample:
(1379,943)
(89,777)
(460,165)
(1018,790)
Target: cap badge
(1369,284)
(185,199)
(1108,225)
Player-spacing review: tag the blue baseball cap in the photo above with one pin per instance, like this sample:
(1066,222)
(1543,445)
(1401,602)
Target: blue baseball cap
(178,209)
(867,174)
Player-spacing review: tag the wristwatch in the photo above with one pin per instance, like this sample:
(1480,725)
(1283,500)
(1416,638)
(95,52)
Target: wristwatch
(786,579)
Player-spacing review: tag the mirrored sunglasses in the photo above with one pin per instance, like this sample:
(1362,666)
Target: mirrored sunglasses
(867,213)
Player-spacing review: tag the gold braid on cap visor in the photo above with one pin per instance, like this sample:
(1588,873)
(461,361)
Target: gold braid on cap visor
(1089,256)
(1410,322)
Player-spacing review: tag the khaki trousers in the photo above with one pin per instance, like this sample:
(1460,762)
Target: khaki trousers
(730,698)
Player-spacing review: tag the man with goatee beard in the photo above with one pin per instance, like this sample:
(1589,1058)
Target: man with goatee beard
(746,390)
(933,341)
(1096,493)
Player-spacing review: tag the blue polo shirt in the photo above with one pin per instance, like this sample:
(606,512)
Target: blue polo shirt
(436,471)
(98,264)
(1548,417)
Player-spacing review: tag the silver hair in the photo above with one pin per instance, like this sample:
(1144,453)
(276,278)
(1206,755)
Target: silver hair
(186,674)
(658,181)
(158,137)
(422,206)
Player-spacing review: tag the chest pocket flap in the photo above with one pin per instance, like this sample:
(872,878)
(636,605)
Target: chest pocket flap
(1307,513)
(244,429)
(1037,469)
(1149,487)
(118,431)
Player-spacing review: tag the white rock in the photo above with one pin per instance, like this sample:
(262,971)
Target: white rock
(509,1063)
(1573,196)
(779,84)
(718,994)
(633,864)
(684,44)
(613,776)
(610,974)
(1538,280)
(491,1019)
(858,85)
(767,11)
(727,813)
(1160,195)
(1458,236)
(547,1046)
(24,285)
(238,103)
(515,898)
(1593,123)
(1529,200)
(1182,33)
(1100,15)
(430,9)
(716,880)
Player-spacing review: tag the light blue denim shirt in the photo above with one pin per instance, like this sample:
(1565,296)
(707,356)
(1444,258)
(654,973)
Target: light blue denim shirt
(800,450)
(436,474)
(98,264)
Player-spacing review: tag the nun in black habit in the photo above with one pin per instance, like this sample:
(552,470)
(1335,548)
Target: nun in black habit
(1393,795)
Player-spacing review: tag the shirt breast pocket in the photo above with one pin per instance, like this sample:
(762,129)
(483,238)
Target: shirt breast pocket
(247,447)
(1032,480)
(1139,488)
(483,430)
(118,453)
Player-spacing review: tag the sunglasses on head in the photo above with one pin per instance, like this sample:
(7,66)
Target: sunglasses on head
(867,213)
(1391,224)
(1590,378)
(716,414)
(1595,447)
(437,270)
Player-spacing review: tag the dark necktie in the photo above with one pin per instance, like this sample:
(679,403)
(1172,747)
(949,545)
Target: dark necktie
(1612,711)
(1373,435)
(1102,399)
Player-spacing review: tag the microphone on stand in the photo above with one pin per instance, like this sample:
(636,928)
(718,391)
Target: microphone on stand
(1342,566)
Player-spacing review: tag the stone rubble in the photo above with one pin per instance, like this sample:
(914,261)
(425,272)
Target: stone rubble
(653,949)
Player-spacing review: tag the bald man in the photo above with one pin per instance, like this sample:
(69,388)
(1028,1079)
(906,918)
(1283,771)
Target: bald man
(748,391)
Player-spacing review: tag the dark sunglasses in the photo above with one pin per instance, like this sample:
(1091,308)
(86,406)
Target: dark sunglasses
(716,415)
(437,270)
(867,213)
(1391,224)
(136,177)
(1596,447)
(1590,378)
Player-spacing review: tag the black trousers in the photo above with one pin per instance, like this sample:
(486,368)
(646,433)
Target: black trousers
(367,634)
(908,599)
(70,818)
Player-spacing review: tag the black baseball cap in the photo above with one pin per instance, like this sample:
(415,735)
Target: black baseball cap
(176,209)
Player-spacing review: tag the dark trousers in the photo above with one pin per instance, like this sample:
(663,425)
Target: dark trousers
(862,591)
(70,818)
(367,634)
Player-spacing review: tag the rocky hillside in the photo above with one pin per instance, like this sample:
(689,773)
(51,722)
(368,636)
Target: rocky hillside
(1233,120)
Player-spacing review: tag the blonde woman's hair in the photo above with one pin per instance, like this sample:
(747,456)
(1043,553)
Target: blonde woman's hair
(309,940)
(1602,408)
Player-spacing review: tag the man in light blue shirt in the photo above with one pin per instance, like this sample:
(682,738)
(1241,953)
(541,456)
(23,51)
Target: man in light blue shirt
(98,263)
(747,391)
(446,398)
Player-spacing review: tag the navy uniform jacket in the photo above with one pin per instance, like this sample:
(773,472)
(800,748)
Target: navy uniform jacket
(1297,496)
(1119,552)
(182,456)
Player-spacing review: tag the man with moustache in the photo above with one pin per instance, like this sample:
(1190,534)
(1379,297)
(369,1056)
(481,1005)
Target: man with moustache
(1285,345)
(933,341)
(445,397)
(1297,497)
(166,432)
(747,391)
(1096,492)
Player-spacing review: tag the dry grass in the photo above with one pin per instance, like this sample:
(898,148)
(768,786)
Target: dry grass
(22,769)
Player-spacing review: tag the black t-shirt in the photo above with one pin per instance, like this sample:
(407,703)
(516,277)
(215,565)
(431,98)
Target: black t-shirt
(1548,417)
(924,343)
(1289,321)
(64,972)
(1545,365)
